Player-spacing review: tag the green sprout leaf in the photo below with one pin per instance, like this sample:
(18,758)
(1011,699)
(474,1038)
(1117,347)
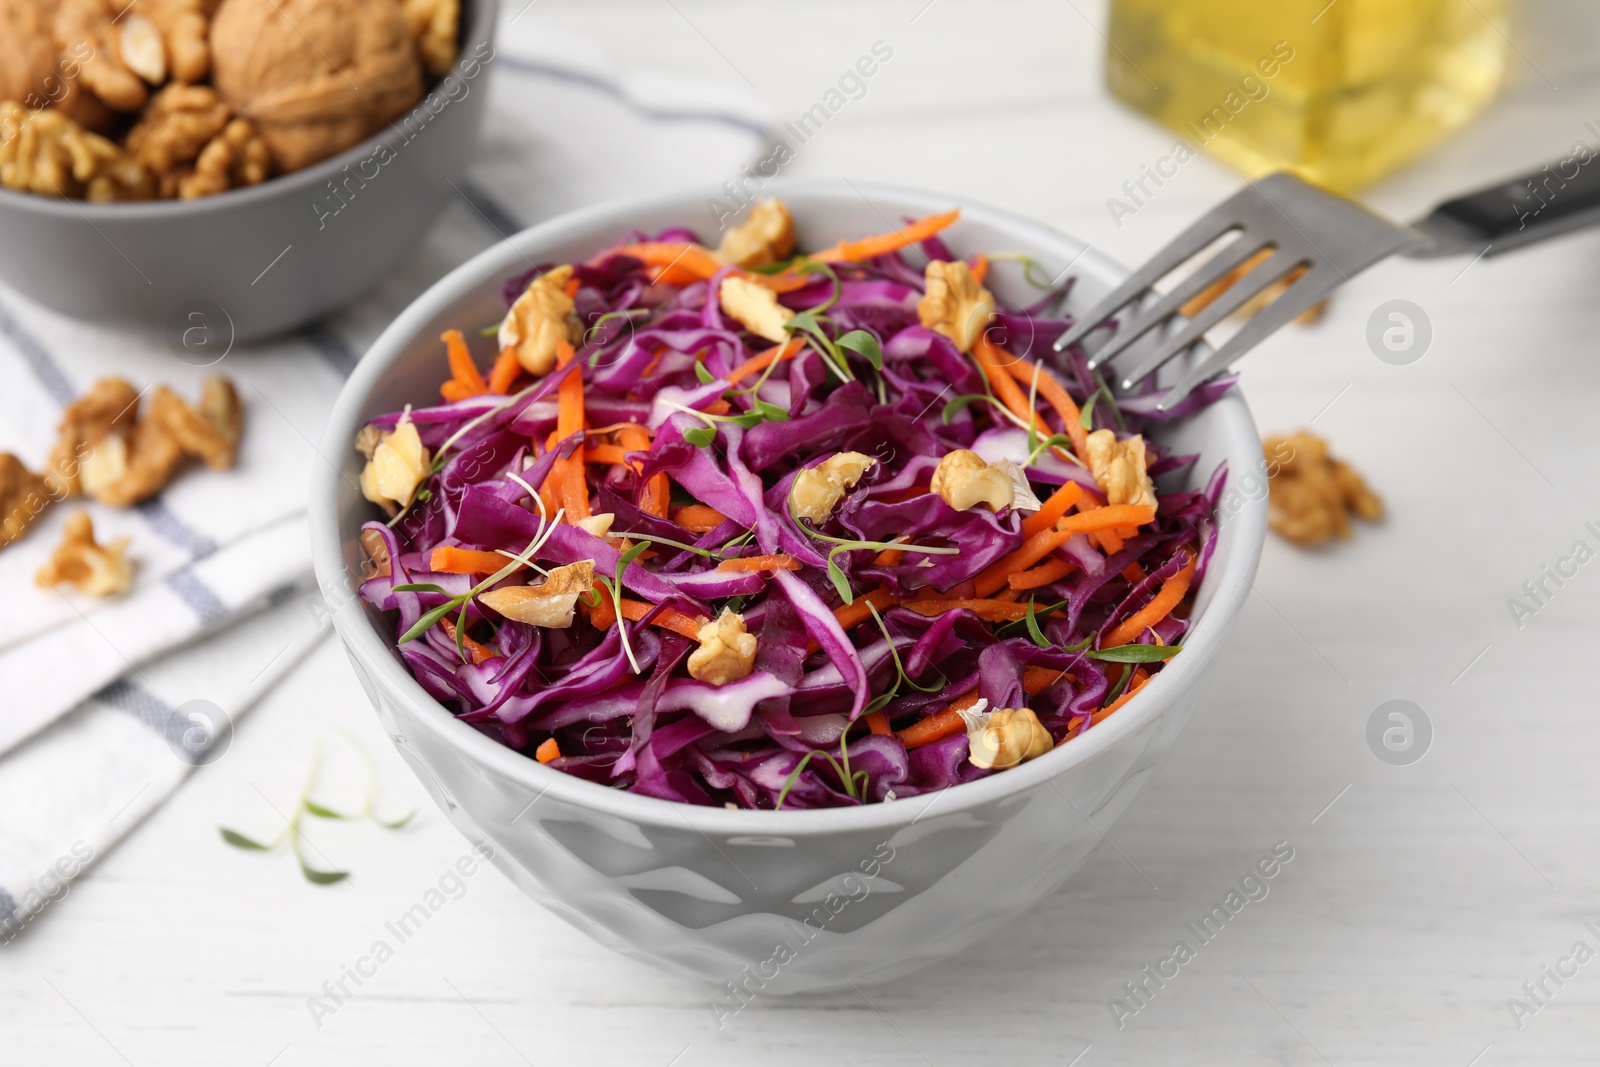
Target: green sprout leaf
(700,436)
(771,412)
(700,372)
(322,877)
(419,587)
(1086,416)
(794,776)
(1035,634)
(1136,653)
(862,342)
(238,840)
(322,812)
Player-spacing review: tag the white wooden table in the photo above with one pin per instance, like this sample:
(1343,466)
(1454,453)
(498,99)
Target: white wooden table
(1420,898)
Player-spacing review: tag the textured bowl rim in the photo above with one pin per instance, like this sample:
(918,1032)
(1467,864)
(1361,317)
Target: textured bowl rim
(1234,577)
(479,31)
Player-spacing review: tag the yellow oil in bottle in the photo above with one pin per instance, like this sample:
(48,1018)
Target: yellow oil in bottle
(1341,92)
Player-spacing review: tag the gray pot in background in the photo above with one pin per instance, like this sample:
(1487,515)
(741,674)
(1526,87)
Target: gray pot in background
(263,260)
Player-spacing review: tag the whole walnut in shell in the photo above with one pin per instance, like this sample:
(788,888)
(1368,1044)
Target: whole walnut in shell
(315,76)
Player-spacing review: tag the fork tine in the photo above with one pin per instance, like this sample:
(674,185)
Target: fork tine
(1241,292)
(1220,220)
(1212,271)
(1306,291)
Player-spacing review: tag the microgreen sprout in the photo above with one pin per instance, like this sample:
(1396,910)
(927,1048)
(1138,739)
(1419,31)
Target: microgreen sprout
(293,835)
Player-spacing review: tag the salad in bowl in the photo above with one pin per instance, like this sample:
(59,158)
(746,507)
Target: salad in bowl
(766,527)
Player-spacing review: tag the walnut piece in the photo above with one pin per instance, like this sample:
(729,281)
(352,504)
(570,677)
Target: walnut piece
(540,319)
(550,603)
(92,31)
(755,307)
(1313,494)
(767,236)
(954,303)
(180,121)
(23,495)
(184,27)
(111,406)
(140,47)
(212,431)
(107,452)
(726,653)
(434,25)
(965,480)
(28,60)
(82,562)
(599,525)
(315,76)
(816,491)
(45,152)
(1004,737)
(1119,468)
(399,464)
(233,159)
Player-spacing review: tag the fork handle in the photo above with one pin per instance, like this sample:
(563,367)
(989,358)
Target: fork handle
(1548,202)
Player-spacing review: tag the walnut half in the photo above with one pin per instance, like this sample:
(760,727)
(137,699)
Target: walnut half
(954,303)
(551,603)
(82,562)
(816,491)
(539,320)
(1004,737)
(727,651)
(1119,468)
(767,236)
(46,153)
(23,495)
(1312,493)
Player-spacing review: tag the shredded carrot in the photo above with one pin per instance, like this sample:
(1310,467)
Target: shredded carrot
(717,407)
(979,267)
(477,652)
(452,390)
(939,725)
(760,362)
(878,722)
(571,483)
(882,244)
(672,263)
(1160,606)
(1133,572)
(1111,517)
(450,560)
(548,750)
(698,518)
(571,288)
(1055,506)
(656,493)
(778,561)
(889,557)
(504,372)
(1140,677)
(604,616)
(1034,376)
(605,454)
(992,364)
(1045,573)
(1037,679)
(857,612)
(462,369)
(1031,551)
(985,608)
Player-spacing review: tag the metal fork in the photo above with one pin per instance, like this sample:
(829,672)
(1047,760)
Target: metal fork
(1328,238)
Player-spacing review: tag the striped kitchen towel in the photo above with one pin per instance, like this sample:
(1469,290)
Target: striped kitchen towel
(80,678)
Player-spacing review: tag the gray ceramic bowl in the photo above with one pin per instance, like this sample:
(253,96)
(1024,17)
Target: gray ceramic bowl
(261,260)
(771,901)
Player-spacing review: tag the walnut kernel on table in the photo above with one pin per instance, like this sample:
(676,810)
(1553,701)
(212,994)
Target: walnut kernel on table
(315,76)
(23,495)
(107,452)
(82,562)
(1312,493)
(45,152)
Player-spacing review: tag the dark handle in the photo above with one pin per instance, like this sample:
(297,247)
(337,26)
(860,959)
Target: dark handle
(1556,199)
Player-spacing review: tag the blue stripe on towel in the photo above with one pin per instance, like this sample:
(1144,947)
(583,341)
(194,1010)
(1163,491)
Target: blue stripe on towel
(144,706)
(38,358)
(197,595)
(493,212)
(162,519)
